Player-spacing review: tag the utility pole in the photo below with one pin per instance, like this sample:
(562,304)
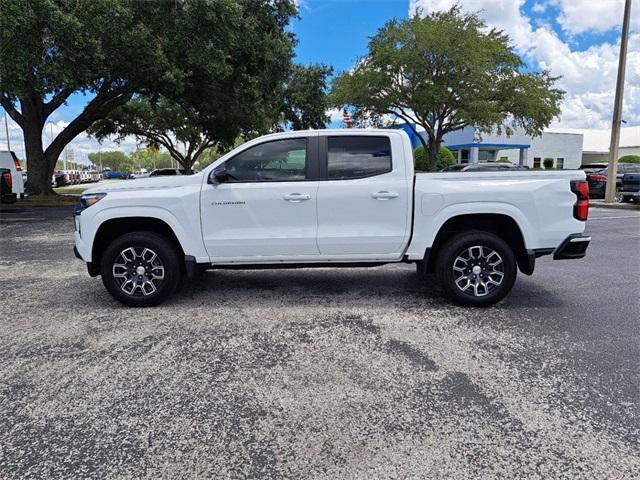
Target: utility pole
(612,169)
(6,129)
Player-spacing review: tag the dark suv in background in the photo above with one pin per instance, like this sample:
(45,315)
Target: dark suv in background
(598,180)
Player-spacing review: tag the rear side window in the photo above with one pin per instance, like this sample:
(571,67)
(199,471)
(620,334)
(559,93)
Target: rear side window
(357,157)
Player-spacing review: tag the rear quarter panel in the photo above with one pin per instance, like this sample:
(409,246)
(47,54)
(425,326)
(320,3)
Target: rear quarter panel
(541,203)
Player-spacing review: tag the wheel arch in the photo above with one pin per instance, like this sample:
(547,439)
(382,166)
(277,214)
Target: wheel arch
(499,224)
(113,228)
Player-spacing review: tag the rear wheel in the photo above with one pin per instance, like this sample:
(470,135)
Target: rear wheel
(476,269)
(140,269)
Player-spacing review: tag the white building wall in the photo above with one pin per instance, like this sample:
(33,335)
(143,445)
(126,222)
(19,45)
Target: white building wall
(550,144)
(558,145)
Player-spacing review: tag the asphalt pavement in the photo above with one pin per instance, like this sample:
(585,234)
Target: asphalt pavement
(318,373)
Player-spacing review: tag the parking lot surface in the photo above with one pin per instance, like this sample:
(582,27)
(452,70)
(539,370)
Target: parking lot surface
(318,373)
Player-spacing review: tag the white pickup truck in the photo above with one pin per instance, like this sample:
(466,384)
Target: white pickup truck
(339,198)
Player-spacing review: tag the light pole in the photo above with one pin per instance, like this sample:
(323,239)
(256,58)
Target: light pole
(612,169)
(6,129)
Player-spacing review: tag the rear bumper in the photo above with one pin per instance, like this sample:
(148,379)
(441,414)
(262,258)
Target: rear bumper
(574,246)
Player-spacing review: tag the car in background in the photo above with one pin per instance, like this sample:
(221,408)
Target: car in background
(592,167)
(484,167)
(116,175)
(9,161)
(60,179)
(142,173)
(6,186)
(629,189)
(598,180)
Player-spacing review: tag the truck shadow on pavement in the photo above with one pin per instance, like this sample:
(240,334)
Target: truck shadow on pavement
(389,286)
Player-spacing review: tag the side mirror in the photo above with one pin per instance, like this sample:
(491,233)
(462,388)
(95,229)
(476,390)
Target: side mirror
(219,175)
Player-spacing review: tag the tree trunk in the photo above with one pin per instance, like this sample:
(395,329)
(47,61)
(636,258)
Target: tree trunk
(433,151)
(39,167)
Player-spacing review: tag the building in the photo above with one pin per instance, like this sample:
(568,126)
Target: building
(471,146)
(595,146)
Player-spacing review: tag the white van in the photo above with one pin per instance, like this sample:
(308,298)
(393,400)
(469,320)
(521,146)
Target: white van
(9,160)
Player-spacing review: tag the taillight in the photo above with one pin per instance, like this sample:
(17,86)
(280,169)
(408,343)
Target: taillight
(581,207)
(598,178)
(8,179)
(17,162)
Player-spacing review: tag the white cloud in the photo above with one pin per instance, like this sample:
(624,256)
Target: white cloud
(597,16)
(588,76)
(539,7)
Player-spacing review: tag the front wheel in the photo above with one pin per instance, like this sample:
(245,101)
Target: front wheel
(140,269)
(476,269)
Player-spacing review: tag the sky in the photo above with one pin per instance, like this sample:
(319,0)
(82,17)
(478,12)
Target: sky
(575,39)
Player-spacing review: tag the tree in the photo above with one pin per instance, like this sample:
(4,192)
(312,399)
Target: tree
(444,72)
(113,49)
(305,100)
(115,160)
(422,163)
(151,158)
(548,163)
(165,124)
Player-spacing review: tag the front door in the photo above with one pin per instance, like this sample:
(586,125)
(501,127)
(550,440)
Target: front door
(266,210)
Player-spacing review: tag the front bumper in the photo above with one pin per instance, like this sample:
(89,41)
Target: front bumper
(574,246)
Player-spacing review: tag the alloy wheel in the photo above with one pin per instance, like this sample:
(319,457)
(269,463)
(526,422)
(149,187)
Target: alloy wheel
(478,270)
(138,271)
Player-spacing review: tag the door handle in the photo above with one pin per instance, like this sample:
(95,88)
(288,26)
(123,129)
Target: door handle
(385,195)
(296,197)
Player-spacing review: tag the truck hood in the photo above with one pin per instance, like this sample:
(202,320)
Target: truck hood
(151,183)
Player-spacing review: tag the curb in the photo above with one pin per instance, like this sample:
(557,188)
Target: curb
(614,206)
(27,204)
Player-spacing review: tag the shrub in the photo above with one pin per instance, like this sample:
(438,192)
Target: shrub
(504,160)
(629,159)
(548,163)
(445,159)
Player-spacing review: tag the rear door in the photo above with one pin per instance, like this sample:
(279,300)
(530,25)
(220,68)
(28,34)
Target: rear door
(364,196)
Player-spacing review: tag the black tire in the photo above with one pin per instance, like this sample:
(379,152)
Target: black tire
(421,271)
(497,279)
(147,289)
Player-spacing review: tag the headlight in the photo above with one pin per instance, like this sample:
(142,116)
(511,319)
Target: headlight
(86,200)
(89,199)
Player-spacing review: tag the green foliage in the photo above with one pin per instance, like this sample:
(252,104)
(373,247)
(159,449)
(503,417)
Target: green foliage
(503,160)
(163,123)
(421,159)
(446,71)
(116,160)
(629,159)
(548,163)
(305,100)
(151,158)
